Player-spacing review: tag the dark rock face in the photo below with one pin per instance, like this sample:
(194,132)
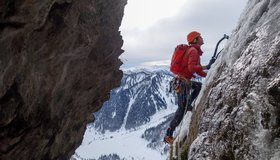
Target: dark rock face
(238,114)
(58,63)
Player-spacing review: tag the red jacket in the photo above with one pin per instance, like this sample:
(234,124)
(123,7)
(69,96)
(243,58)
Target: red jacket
(193,62)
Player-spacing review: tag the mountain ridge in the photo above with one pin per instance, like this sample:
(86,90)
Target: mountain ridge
(136,87)
(148,126)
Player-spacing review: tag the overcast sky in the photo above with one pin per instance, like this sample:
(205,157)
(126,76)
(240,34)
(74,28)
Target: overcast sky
(151,29)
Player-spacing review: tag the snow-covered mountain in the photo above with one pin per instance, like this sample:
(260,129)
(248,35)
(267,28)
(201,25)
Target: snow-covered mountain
(134,119)
(142,94)
(236,115)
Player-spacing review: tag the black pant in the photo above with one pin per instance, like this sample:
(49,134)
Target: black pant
(183,97)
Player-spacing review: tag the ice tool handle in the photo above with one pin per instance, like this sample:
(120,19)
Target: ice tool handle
(217,46)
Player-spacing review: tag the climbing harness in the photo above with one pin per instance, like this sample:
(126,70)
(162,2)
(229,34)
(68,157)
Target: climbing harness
(182,87)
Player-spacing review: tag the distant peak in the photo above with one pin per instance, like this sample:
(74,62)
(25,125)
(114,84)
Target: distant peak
(147,69)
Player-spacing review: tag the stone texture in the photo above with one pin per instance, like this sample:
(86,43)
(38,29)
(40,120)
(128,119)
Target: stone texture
(238,115)
(58,63)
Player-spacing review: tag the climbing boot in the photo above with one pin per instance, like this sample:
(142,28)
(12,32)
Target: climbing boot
(168,136)
(168,139)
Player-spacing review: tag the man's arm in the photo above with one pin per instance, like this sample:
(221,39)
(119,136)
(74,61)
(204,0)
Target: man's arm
(204,68)
(194,65)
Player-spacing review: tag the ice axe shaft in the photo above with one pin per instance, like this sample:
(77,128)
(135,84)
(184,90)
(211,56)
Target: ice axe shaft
(217,46)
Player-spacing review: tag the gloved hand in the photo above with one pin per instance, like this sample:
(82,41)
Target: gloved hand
(212,60)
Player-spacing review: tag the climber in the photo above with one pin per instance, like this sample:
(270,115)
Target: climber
(184,84)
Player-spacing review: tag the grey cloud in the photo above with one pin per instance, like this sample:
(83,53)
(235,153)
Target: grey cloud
(211,18)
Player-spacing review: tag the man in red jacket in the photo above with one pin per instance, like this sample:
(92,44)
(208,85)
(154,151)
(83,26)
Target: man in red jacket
(185,84)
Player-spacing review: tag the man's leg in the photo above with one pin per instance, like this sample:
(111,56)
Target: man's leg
(177,118)
(182,100)
(196,87)
(179,114)
(174,123)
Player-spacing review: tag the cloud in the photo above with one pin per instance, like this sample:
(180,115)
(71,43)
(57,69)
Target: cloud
(157,42)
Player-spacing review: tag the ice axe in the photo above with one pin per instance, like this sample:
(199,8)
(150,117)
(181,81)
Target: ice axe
(217,46)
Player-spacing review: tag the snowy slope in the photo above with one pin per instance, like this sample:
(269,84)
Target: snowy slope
(144,90)
(124,143)
(126,125)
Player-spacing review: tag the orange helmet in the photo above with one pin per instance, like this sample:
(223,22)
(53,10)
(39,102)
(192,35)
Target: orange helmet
(192,36)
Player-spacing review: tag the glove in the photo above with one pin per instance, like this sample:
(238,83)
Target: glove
(212,60)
